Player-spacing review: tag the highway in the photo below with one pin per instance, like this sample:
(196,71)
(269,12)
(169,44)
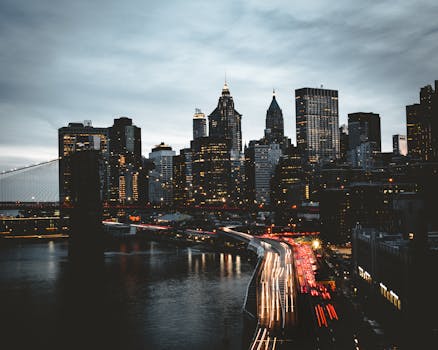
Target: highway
(276,290)
(288,269)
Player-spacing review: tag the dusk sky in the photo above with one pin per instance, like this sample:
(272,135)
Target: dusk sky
(156,61)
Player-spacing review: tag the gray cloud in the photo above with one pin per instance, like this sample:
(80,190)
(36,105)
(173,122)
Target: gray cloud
(157,61)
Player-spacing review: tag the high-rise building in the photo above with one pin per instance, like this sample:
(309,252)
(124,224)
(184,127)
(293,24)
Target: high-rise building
(364,139)
(288,187)
(364,127)
(274,131)
(199,124)
(317,124)
(183,178)
(79,137)
(125,161)
(225,121)
(399,145)
(422,125)
(225,124)
(211,169)
(160,178)
(262,159)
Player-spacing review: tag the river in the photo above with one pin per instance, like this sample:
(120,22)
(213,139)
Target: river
(143,296)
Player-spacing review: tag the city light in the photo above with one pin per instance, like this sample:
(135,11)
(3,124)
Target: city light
(316,244)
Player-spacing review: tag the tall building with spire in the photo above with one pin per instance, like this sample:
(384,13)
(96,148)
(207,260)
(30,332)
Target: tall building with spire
(225,121)
(274,131)
(199,124)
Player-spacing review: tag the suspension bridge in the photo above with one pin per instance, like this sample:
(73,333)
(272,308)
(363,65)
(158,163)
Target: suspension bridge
(31,184)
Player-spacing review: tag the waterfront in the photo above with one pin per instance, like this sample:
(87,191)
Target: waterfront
(143,296)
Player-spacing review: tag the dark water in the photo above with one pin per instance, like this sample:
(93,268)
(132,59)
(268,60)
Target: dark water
(141,296)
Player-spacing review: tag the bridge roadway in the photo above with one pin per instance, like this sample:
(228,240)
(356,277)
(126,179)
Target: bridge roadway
(276,291)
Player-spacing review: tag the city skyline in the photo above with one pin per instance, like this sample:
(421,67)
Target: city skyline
(157,75)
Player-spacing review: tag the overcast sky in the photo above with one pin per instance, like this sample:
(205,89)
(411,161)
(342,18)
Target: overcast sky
(156,61)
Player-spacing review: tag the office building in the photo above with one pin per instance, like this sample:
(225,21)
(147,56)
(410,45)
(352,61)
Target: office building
(364,139)
(422,125)
(225,122)
(199,124)
(211,169)
(289,186)
(160,178)
(364,127)
(80,137)
(317,124)
(125,161)
(183,178)
(262,159)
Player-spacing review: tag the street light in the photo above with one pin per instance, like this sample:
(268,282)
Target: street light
(316,244)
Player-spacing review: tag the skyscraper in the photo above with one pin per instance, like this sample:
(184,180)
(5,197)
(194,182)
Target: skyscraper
(364,127)
(225,124)
(160,178)
(422,125)
(225,121)
(125,161)
(364,139)
(262,159)
(183,178)
(274,131)
(199,124)
(317,124)
(78,137)
(211,166)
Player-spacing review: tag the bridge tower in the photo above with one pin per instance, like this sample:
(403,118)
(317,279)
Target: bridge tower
(86,233)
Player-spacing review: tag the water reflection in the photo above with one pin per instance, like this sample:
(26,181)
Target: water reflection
(142,296)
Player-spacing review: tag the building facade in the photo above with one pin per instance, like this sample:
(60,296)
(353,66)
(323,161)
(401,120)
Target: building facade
(80,137)
(125,162)
(183,178)
(199,124)
(422,125)
(364,139)
(317,124)
(225,122)
(161,177)
(211,169)
(262,159)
